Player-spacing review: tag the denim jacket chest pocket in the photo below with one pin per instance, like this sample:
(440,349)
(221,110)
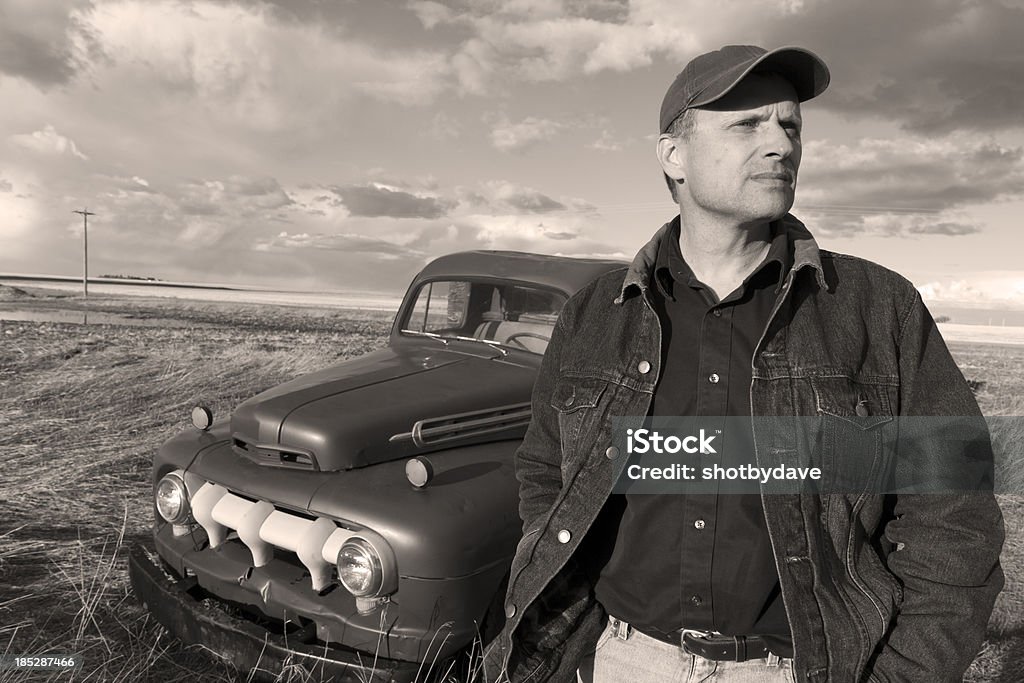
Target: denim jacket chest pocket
(856,418)
(581,403)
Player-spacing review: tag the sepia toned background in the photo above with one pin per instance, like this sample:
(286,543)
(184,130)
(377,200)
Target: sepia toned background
(327,149)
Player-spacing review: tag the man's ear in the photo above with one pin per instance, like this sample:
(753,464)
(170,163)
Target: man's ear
(672,156)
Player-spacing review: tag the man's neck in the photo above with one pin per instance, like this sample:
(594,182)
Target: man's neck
(722,253)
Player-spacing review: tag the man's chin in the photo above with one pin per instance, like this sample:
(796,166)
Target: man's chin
(773,211)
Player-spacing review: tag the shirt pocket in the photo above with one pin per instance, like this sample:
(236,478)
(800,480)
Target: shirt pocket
(856,437)
(581,411)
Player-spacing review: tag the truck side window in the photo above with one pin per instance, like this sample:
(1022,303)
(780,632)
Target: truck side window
(440,306)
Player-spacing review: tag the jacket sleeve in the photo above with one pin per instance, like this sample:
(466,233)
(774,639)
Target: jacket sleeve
(946,544)
(538,461)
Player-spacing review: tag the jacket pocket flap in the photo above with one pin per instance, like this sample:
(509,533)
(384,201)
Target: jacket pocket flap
(864,405)
(572,394)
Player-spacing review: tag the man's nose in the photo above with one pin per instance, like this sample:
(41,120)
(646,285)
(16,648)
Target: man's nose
(780,142)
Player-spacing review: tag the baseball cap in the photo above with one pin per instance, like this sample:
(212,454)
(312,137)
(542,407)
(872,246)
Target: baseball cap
(710,76)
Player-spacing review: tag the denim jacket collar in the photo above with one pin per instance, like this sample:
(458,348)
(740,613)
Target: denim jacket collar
(805,254)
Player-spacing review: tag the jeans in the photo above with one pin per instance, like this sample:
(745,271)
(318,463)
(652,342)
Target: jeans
(642,659)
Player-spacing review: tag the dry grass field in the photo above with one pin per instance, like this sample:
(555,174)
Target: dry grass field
(82,409)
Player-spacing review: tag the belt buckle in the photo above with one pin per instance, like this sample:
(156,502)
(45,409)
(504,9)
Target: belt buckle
(696,633)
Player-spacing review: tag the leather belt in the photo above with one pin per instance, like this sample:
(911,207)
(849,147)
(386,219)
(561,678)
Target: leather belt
(725,648)
(713,646)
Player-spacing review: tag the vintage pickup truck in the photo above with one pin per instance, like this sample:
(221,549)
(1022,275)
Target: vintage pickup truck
(359,522)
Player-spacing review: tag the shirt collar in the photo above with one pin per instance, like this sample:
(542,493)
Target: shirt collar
(671,267)
(801,252)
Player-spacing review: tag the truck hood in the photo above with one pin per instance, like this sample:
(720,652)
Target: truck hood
(383,406)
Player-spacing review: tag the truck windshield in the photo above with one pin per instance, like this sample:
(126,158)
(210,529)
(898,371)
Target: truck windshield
(511,316)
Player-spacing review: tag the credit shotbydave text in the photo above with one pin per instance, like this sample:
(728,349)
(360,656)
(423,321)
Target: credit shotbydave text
(643,441)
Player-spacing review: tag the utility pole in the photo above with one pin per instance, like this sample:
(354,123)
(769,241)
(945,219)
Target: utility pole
(85,236)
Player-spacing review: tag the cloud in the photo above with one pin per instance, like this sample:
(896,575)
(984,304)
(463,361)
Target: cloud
(606,143)
(903,225)
(514,137)
(506,196)
(431,14)
(22,217)
(43,41)
(233,196)
(545,40)
(932,66)
(500,197)
(525,233)
(344,242)
(445,127)
(997,289)
(907,186)
(246,64)
(407,223)
(119,186)
(48,141)
(376,200)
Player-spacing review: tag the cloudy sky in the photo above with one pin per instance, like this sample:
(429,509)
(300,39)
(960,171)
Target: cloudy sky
(340,144)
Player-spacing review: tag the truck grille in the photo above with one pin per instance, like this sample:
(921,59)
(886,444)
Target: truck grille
(263,528)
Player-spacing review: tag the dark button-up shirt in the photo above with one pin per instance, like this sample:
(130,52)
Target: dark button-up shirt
(700,561)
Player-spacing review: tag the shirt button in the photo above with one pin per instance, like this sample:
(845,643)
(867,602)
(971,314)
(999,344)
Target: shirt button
(714,378)
(699,524)
(510,611)
(696,601)
(644,367)
(611,452)
(564,536)
(717,313)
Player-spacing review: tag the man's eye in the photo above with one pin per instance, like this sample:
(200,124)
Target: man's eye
(748,123)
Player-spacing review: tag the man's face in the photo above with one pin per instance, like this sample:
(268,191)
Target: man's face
(742,156)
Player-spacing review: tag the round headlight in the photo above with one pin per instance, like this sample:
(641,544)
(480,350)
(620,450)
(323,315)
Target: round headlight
(359,568)
(172,499)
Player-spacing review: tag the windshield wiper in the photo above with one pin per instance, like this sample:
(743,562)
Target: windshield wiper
(433,335)
(497,346)
(443,338)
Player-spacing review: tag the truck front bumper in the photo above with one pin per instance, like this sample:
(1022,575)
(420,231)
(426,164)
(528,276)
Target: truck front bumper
(244,644)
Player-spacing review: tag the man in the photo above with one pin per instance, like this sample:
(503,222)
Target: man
(732,310)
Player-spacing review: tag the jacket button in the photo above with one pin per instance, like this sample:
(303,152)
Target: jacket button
(644,367)
(569,401)
(862,409)
(564,536)
(611,452)
(510,611)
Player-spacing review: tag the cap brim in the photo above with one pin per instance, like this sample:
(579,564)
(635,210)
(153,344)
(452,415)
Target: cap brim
(804,69)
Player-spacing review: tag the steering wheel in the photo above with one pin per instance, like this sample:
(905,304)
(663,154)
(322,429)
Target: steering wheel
(514,338)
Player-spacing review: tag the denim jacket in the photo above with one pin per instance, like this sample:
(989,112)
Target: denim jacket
(876,587)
